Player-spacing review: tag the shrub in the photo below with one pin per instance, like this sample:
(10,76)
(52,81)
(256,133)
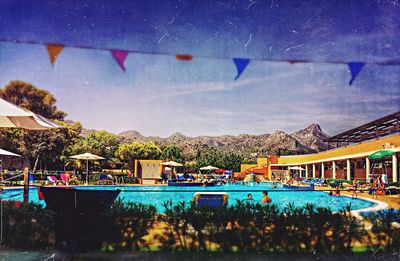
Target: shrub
(27,226)
(126,224)
(254,227)
(382,227)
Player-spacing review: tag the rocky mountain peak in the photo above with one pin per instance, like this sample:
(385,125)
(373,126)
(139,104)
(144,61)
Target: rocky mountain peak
(312,137)
(177,135)
(314,128)
(131,135)
(278,134)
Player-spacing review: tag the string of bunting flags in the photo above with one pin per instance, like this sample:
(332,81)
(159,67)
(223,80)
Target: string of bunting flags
(119,55)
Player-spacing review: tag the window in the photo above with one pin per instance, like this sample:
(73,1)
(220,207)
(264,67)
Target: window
(360,164)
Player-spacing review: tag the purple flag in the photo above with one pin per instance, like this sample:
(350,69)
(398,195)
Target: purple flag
(355,69)
(119,57)
(241,64)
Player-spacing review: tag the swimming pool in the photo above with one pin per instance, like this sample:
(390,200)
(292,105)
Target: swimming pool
(157,195)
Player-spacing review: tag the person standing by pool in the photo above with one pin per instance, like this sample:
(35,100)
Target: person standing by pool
(265,199)
(355,186)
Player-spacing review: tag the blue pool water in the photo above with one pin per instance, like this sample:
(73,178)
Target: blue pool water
(156,195)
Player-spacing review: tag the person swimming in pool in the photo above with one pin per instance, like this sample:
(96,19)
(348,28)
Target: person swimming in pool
(265,199)
(249,196)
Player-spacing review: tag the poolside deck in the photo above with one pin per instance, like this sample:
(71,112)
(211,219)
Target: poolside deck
(392,201)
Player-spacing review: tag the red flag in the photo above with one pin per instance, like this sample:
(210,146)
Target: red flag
(184,57)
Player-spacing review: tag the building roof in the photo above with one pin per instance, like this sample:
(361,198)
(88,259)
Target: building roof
(352,151)
(374,129)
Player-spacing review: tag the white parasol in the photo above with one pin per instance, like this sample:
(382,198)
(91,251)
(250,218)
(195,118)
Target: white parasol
(208,168)
(87,156)
(12,116)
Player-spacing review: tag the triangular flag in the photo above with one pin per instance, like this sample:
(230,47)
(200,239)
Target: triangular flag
(241,64)
(119,57)
(355,69)
(54,50)
(296,61)
(184,57)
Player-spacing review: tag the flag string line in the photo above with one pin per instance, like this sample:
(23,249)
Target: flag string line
(392,62)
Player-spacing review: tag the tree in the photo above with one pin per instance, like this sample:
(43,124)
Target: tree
(129,152)
(231,161)
(208,157)
(12,139)
(102,143)
(32,98)
(47,145)
(216,158)
(172,152)
(50,144)
(73,140)
(151,151)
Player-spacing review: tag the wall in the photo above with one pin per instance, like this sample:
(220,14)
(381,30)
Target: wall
(245,167)
(148,169)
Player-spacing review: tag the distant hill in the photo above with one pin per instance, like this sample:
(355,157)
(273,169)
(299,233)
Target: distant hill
(307,140)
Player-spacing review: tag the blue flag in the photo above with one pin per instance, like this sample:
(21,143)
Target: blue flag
(241,64)
(355,69)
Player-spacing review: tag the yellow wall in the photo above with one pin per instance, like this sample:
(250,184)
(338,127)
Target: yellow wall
(245,167)
(369,146)
(262,162)
(157,172)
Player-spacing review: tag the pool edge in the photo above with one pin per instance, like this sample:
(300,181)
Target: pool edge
(378,205)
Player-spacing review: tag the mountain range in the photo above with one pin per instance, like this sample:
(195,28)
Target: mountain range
(307,140)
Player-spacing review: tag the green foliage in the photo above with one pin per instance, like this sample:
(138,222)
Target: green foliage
(231,161)
(244,227)
(258,228)
(151,151)
(220,159)
(46,144)
(28,226)
(72,140)
(383,227)
(129,152)
(51,145)
(126,224)
(102,143)
(32,98)
(12,139)
(172,152)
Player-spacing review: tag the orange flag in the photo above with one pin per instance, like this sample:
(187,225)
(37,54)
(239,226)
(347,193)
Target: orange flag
(54,50)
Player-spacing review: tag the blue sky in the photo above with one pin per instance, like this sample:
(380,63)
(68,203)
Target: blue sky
(158,95)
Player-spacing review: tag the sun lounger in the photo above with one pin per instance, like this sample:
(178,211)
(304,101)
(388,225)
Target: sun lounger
(392,190)
(104,180)
(52,180)
(67,180)
(4,182)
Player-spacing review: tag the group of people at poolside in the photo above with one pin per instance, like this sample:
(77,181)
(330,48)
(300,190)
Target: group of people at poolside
(375,186)
(265,198)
